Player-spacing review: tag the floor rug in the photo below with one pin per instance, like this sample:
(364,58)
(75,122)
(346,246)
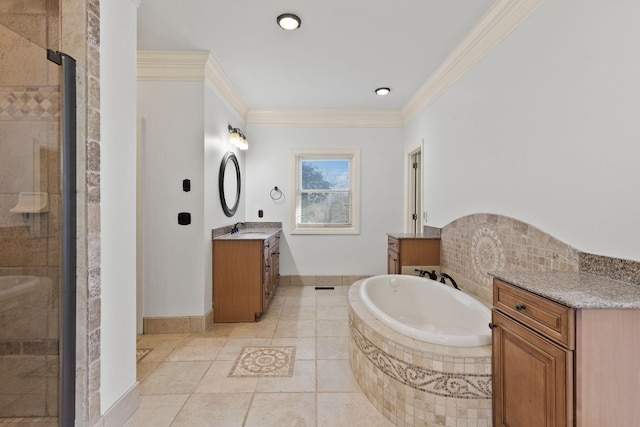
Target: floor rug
(264,362)
(141,353)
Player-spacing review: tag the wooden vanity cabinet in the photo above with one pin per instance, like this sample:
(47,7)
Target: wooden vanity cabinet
(411,251)
(533,347)
(558,366)
(271,271)
(245,276)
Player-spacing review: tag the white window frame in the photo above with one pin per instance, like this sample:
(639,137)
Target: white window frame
(354,181)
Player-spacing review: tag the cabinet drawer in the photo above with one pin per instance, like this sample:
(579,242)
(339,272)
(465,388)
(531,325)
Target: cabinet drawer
(555,321)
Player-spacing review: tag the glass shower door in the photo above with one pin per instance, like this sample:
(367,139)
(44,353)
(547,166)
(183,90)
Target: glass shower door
(30,213)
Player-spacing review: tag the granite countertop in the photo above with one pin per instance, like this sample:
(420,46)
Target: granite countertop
(428,235)
(575,289)
(249,234)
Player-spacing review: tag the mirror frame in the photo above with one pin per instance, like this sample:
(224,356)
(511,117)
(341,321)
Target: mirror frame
(229,210)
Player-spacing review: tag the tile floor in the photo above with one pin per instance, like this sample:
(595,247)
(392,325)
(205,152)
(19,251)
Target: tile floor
(184,380)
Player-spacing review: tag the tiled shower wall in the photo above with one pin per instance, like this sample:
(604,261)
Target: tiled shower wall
(80,38)
(475,244)
(29,244)
(73,27)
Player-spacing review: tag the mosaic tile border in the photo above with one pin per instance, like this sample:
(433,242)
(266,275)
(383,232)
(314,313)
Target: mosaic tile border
(460,386)
(264,362)
(29,104)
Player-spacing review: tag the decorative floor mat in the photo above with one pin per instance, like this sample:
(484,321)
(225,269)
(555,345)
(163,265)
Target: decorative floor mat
(141,353)
(264,362)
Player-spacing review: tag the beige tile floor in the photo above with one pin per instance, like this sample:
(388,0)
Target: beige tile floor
(184,379)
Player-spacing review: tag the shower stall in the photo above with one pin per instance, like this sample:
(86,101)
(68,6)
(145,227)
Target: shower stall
(37,217)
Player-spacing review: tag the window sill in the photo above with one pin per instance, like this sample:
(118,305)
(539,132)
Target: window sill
(325,230)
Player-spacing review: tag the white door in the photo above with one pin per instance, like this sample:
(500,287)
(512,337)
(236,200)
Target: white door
(414,198)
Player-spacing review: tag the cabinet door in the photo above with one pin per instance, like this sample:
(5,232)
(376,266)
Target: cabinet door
(393,262)
(532,377)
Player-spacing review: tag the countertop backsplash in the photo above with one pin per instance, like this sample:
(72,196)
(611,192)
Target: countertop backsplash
(473,245)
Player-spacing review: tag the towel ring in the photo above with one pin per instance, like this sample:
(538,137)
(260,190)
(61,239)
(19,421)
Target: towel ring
(276,193)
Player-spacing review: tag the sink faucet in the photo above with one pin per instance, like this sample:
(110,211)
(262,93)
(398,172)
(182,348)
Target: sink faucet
(432,274)
(235,227)
(444,276)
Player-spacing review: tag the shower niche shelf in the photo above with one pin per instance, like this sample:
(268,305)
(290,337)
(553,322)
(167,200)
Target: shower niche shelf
(31,202)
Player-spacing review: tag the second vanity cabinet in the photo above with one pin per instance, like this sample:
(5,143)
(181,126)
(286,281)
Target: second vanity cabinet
(555,365)
(245,277)
(407,251)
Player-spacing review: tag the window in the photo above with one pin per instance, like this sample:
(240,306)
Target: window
(326,187)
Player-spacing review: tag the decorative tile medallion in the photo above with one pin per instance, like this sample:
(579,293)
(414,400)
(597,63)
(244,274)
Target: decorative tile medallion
(141,353)
(461,386)
(264,362)
(487,253)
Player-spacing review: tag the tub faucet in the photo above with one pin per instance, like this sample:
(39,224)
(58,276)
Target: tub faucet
(432,274)
(235,227)
(444,276)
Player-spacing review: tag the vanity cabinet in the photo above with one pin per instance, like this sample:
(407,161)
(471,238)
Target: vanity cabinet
(411,251)
(271,271)
(245,277)
(555,365)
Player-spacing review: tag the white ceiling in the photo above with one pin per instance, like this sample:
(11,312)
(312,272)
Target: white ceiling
(343,51)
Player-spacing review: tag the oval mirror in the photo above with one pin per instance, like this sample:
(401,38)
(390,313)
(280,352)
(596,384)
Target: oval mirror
(229,183)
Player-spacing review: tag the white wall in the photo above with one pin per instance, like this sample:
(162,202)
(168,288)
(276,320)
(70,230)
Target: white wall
(118,199)
(185,137)
(545,129)
(381,190)
(172,150)
(217,117)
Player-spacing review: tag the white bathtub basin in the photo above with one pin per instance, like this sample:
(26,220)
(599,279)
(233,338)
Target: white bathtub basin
(427,310)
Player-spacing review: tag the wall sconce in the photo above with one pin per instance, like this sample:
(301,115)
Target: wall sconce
(237,139)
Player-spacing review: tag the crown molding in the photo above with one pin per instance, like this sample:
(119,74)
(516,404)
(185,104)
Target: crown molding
(327,118)
(191,67)
(218,81)
(171,66)
(501,19)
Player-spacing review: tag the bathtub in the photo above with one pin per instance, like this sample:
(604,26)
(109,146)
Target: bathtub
(413,382)
(427,310)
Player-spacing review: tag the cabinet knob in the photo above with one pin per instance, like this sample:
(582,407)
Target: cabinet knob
(520,307)
(493,325)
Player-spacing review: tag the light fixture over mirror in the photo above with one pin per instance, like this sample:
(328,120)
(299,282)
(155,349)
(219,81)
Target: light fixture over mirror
(289,21)
(237,139)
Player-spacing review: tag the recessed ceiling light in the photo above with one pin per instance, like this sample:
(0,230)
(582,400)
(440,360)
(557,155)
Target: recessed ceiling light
(383,91)
(289,21)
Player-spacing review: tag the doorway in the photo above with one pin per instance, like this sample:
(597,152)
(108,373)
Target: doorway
(414,191)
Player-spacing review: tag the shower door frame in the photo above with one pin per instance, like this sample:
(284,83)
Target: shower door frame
(69,235)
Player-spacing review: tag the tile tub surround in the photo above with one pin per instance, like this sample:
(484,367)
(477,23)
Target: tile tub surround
(473,245)
(414,383)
